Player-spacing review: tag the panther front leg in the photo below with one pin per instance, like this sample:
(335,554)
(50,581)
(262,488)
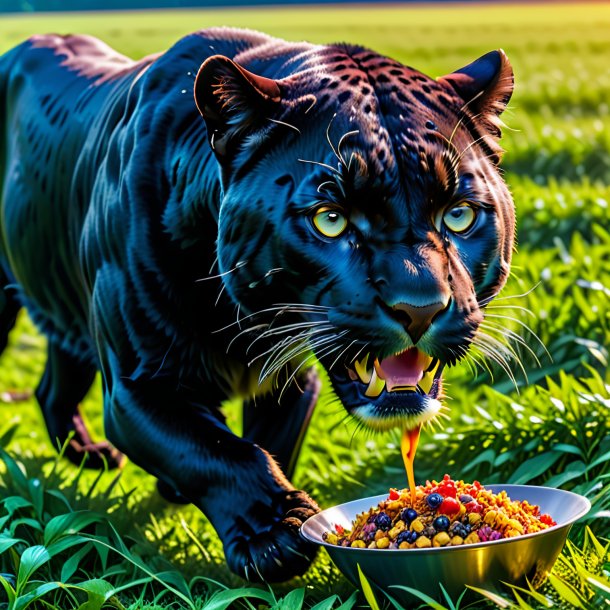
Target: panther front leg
(255,510)
(278,421)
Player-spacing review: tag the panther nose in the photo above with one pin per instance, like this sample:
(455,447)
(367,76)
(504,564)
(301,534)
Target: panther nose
(417,320)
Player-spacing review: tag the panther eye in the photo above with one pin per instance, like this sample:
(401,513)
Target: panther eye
(459,218)
(330,222)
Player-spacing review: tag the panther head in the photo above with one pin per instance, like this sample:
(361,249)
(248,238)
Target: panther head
(364,214)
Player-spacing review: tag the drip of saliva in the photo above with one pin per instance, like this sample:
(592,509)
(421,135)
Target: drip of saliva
(408,447)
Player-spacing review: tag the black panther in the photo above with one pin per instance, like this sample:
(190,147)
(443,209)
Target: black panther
(205,222)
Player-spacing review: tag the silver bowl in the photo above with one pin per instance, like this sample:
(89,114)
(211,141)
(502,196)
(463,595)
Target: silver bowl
(484,565)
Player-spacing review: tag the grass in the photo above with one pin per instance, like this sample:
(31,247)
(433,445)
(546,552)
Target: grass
(119,545)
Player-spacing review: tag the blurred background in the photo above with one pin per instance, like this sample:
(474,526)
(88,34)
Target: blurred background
(545,421)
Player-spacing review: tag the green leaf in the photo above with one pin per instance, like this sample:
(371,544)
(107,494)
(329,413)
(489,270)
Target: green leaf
(293,601)
(14,472)
(567,591)
(367,590)
(493,597)
(349,603)
(431,603)
(31,523)
(487,456)
(326,604)
(8,589)
(6,542)
(572,471)
(98,591)
(223,599)
(70,523)
(24,601)
(602,459)
(541,599)
(71,564)
(534,467)
(65,543)
(13,503)
(567,448)
(32,559)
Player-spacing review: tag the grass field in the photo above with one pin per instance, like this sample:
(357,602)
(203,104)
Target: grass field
(126,547)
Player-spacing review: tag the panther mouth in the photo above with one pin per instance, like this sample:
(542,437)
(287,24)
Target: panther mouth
(396,391)
(408,371)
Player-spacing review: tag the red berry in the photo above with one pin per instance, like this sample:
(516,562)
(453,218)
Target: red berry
(450,506)
(547,520)
(473,507)
(394,495)
(447,489)
(339,529)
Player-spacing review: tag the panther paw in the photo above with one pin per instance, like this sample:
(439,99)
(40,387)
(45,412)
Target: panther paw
(279,552)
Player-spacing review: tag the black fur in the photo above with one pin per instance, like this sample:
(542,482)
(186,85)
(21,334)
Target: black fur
(178,256)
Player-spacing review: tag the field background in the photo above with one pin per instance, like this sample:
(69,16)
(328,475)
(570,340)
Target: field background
(553,430)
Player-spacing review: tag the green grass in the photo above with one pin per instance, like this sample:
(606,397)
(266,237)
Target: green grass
(553,431)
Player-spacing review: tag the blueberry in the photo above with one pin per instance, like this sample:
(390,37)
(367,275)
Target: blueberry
(383,522)
(465,498)
(403,537)
(441,523)
(434,500)
(408,515)
(412,536)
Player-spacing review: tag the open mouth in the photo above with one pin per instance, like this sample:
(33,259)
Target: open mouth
(408,371)
(396,391)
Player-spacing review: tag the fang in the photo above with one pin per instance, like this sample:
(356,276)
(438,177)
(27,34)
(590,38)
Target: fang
(361,370)
(376,386)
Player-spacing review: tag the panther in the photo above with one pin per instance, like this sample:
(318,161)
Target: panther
(222,219)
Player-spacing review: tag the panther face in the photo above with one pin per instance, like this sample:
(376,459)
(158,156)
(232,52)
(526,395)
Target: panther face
(363,218)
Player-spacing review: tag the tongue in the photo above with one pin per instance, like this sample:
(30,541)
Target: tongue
(406,369)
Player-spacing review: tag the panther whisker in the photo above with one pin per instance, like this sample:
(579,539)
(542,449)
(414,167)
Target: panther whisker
(298,368)
(524,326)
(466,361)
(273,331)
(285,352)
(341,160)
(341,354)
(238,265)
(506,350)
(467,148)
(237,316)
(507,333)
(498,299)
(222,289)
(321,341)
(340,143)
(285,124)
(280,309)
(269,331)
(487,353)
(293,343)
(325,165)
(491,350)
(305,334)
(519,307)
(246,330)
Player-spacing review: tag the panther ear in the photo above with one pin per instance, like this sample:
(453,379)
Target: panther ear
(486,86)
(232,100)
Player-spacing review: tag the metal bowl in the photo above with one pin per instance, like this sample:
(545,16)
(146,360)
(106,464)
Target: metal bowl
(485,564)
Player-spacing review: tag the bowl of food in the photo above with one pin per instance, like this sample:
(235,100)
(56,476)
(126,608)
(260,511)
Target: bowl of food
(448,533)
